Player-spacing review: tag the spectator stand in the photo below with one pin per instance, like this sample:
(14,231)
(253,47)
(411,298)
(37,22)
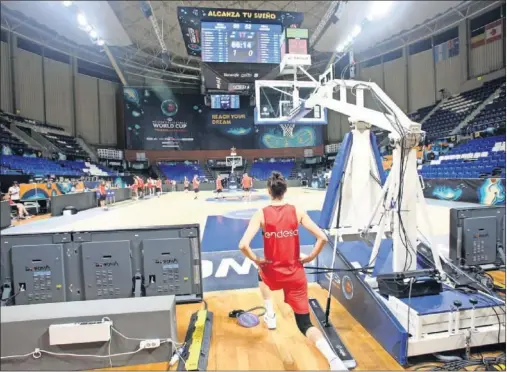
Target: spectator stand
(178,170)
(473,171)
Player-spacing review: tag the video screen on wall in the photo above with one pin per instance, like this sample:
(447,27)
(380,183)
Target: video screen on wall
(157,119)
(240,43)
(224,102)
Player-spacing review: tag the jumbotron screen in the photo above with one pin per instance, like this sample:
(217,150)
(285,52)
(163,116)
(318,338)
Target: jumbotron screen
(240,42)
(224,101)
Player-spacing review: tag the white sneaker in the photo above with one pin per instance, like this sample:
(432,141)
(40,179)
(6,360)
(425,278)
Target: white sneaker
(270,321)
(337,365)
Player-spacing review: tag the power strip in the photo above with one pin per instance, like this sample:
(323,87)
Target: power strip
(149,344)
(79,333)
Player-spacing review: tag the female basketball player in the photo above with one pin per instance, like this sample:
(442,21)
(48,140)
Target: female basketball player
(282,267)
(219,187)
(149,186)
(195,185)
(153,187)
(135,187)
(140,187)
(158,187)
(185,184)
(246,183)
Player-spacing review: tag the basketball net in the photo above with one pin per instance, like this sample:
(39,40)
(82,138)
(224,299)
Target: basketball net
(288,129)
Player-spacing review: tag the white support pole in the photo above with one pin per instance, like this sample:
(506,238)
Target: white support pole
(359,97)
(426,226)
(361,153)
(405,222)
(343,94)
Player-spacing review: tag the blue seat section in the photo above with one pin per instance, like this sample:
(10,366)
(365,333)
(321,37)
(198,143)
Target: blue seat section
(455,109)
(67,144)
(478,158)
(79,165)
(76,165)
(37,166)
(491,116)
(421,113)
(107,170)
(17,165)
(7,139)
(10,172)
(179,171)
(261,170)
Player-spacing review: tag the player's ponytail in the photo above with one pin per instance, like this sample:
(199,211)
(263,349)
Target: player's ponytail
(277,185)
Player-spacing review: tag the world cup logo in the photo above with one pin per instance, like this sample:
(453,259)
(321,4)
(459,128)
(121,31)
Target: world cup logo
(169,107)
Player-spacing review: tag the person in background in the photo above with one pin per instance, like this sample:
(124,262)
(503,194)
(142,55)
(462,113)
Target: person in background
(140,187)
(185,184)
(135,188)
(219,188)
(158,187)
(22,212)
(195,185)
(102,194)
(151,186)
(14,191)
(109,192)
(73,187)
(247,184)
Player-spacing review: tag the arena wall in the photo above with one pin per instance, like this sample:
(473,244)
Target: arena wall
(428,72)
(29,86)
(46,85)
(202,156)
(456,60)
(5,78)
(58,85)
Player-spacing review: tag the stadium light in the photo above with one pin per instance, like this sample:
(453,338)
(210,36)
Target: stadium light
(100,42)
(340,48)
(81,19)
(379,9)
(67,3)
(93,34)
(356,31)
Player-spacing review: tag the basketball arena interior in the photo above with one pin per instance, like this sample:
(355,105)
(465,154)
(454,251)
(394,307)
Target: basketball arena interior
(141,141)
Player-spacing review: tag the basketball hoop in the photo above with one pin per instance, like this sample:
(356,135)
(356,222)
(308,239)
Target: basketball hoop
(288,129)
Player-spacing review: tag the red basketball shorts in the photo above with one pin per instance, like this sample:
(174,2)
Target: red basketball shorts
(295,292)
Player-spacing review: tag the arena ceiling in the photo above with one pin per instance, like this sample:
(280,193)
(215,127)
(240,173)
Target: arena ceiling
(134,43)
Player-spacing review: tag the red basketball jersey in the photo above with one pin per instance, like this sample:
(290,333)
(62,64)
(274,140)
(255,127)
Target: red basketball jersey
(219,184)
(281,244)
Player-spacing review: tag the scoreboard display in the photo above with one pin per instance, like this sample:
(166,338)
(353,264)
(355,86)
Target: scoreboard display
(295,41)
(240,43)
(224,101)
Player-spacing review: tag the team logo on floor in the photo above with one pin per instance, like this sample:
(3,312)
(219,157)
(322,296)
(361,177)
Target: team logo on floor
(245,214)
(347,288)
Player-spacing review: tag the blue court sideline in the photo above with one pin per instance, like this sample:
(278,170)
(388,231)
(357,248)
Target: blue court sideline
(223,233)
